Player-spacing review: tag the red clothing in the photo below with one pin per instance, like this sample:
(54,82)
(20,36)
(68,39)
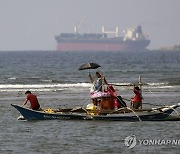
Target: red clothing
(138,97)
(111,91)
(113,94)
(33,101)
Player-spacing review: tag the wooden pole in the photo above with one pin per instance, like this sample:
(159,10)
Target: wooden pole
(140,85)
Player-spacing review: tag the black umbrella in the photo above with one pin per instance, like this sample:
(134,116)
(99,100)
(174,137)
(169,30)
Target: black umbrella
(89,66)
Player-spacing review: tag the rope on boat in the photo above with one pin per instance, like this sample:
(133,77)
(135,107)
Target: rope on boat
(156,96)
(173,110)
(167,107)
(132,111)
(164,103)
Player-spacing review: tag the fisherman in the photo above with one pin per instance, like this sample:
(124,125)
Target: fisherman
(97,91)
(98,82)
(34,104)
(136,102)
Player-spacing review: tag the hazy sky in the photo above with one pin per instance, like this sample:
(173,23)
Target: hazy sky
(32,24)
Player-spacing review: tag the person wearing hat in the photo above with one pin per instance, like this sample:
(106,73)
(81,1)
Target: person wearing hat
(136,102)
(34,104)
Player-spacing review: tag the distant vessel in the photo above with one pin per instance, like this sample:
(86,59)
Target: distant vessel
(134,40)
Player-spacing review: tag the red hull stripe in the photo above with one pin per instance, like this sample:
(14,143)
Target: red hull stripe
(90,47)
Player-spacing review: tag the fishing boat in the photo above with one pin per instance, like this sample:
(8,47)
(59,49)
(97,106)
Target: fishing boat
(123,114)
(105,105)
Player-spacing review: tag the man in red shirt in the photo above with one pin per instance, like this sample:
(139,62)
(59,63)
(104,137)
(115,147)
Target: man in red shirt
(33,101)
(136,102)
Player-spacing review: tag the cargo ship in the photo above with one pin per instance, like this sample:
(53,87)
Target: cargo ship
(133,40)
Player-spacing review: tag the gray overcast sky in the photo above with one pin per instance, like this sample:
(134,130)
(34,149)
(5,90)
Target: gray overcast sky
(32,24)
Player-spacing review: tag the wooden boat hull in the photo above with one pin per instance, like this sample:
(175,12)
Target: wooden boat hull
(30,114)
(154,115)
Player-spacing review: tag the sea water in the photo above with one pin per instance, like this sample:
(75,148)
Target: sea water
(54,77)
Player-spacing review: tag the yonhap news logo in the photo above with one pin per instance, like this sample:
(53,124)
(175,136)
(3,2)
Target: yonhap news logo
(131,141)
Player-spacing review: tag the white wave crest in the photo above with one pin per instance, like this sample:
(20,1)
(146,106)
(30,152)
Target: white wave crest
(12,78)
(41,87)
(75,86)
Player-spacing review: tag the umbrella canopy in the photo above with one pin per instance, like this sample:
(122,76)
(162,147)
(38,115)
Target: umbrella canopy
(89,66)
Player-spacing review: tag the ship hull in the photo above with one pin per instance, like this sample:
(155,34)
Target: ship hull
(69,45)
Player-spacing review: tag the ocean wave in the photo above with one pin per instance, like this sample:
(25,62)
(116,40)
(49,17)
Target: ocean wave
(160,85)
(47,81)
(12,78)
(41,87)
(60,87)
(144,84)
(34,89)
(69,85)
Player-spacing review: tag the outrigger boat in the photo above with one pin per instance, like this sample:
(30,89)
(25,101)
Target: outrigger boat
(122,114)
(103,108)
